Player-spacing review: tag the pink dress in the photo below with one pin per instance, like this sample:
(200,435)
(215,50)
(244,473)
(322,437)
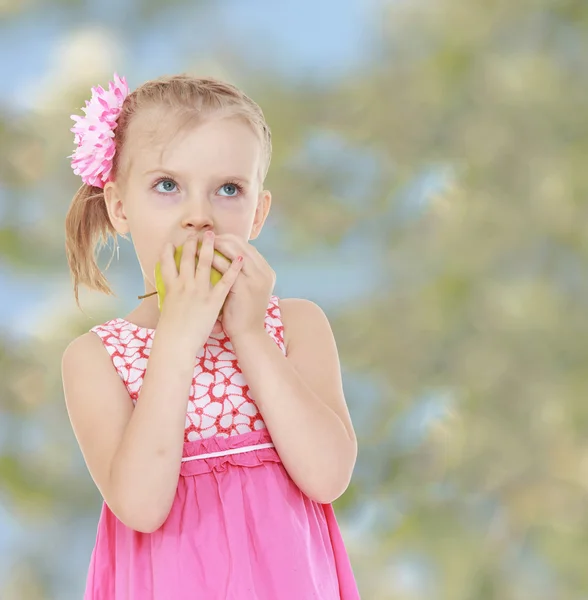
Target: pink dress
(239,527)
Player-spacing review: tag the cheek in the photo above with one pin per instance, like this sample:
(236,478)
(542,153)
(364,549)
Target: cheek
(227,215)
(232,218)
(149,237)
(228,203)
(238,208)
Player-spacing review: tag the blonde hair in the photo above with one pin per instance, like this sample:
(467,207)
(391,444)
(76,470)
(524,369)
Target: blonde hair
(87,224)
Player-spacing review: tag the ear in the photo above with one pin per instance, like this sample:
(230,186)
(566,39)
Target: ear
(264,202)
(115,208)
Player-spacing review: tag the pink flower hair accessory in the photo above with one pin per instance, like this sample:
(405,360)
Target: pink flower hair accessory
(94,133)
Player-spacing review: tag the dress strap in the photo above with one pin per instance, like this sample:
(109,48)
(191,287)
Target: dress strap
(273,322)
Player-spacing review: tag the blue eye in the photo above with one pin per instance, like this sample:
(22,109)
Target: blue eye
(166,186)
(230,189)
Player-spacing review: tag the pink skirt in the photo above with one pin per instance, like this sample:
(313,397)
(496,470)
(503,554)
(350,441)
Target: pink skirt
(239,529)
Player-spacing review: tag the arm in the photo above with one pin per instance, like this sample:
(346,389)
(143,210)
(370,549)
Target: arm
(133,454)
(301,399)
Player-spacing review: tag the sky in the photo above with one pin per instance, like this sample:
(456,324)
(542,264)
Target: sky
(316,39)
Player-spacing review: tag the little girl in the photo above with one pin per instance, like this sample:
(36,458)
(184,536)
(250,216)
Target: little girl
(212,418)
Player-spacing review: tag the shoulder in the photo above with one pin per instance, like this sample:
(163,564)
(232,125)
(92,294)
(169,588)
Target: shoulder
(300,307)
(80,347)
(302,318)
(83,354)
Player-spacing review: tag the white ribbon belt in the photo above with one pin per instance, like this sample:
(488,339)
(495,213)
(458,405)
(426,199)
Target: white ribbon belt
(227,452)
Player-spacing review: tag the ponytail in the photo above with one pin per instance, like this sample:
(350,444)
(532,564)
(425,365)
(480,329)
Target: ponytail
(87,229)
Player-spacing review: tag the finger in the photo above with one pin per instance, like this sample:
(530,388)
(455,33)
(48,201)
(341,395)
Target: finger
(229,246)
(222,288)
(220,262)
(232,246)
(205,259)
(169,271)
(188,260)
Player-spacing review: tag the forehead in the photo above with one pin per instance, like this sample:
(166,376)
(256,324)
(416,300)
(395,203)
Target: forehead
(187,142)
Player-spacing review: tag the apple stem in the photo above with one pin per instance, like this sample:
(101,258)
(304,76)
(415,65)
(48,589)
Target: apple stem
(147,295)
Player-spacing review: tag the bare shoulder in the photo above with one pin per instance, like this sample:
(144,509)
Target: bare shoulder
(300,318)
(78,357)
(79,349)
(83,359)
(299,304)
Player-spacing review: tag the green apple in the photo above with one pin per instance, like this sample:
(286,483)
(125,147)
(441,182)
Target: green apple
(215,276)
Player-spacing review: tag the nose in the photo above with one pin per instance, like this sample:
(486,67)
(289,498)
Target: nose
(197,216)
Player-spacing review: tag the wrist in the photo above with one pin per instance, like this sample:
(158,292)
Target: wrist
(241,338)
(176,335)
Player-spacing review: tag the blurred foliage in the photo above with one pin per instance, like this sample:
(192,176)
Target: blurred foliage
(457,153)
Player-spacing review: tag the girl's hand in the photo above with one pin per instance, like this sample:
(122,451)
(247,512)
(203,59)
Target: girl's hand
(192,304)
(248,298)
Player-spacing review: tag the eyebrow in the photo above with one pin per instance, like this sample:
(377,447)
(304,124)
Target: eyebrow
(176,175)
(160,170)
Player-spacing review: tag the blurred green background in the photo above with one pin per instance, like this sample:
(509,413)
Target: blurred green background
(429,183)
